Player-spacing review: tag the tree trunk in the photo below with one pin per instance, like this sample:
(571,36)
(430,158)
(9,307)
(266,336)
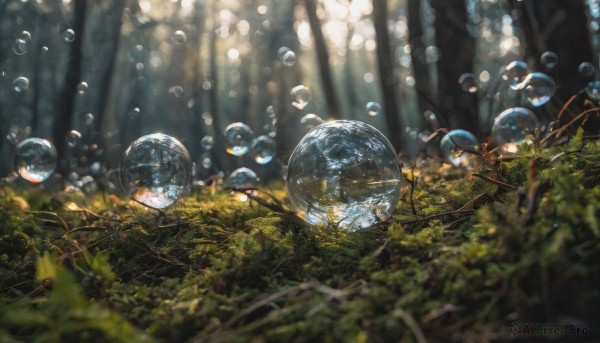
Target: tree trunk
(66,101)
(456,50)
(333,106)
(387,80)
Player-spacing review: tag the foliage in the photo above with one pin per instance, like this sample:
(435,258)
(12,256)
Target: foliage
(477,256)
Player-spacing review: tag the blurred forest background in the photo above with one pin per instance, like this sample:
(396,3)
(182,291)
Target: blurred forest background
(118,69)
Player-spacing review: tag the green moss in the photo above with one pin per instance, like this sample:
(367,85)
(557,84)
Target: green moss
(214,268)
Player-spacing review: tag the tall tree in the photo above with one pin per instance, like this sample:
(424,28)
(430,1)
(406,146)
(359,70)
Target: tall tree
(333,106)
(66,101)
(456,48)
(387,79)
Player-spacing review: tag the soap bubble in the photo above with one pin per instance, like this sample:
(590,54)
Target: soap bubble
(549,59)
(373,108)
(310,121)
(134,113)
(82,87)
(300,96)
(241,178)
(69,35)
(264,149)
(586,69)
(344,172)
(20,46)
(20,84)
(238,138)
(538,89)
(176,91)
(453,147)
(25,35)
(73,138)
(89,118)
(514,73)
(468,83)
(205,160)
(207,142)
(35,159)
(512,127)
(287,56)
(88,184)
(17,134)
(156,170)
(593,90)
(179,37)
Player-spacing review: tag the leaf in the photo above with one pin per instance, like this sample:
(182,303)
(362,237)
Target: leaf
(46,268)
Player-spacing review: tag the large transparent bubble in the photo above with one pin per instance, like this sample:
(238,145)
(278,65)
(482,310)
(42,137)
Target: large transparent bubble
(156,170)
(344,172)
(35,159)
(455,147)
(513,126)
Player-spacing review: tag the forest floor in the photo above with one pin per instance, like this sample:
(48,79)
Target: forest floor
(509,253)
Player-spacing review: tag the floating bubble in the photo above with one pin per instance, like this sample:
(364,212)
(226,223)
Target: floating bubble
(20,84)
(514,73)
(512,127)
(455,146)
(89,118)
(538,89)
(82,87)
(264,149)
(586,69)
(73,138)
(69,35)
(241,178)
(20,46)
(344,172)
(238,138)
(373,108)
(207,142)
(179,37)
(134,113)
(177,91)
(300,96)
(25,35)
(432,119)
(310,121)
(88,184)
(549,59)
(95,168)
(35,159)
(468,83)
(593,90)
(206,161)
(17,134)
(156,170)
(44,49)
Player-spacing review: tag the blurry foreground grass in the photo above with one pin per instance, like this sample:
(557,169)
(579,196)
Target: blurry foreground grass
(517,243)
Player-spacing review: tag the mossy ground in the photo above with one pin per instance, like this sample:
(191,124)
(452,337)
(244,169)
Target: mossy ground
(518,242)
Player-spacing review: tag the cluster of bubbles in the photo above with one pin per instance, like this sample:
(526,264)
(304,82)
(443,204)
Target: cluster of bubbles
(535,88)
